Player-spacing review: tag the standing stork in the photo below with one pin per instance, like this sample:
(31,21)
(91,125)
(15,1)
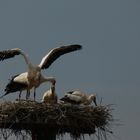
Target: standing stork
(78,97)
(33,77)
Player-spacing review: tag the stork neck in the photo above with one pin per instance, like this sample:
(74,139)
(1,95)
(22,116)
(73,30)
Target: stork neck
(26,58)
(48,79)
(53,89)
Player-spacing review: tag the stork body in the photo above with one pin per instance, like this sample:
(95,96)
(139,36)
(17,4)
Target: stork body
(20,82)
(78,97)
(50,96)
(17,83)
(33,77)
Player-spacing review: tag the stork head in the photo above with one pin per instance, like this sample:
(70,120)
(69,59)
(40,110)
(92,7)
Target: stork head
(53,81)
(93,98)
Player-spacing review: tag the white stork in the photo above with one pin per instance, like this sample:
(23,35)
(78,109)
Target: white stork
(33,77)
(50,96)
(78,97)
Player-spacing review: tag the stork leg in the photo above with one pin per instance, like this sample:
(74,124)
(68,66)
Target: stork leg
(34,93)
(20,95)
(27,94)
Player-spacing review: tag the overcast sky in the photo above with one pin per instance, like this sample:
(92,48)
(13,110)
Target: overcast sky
(108,64)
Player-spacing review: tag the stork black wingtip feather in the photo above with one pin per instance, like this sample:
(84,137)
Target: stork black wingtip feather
(79,47)
(6,54)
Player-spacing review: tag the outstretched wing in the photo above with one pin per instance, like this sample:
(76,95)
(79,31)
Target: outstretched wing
(9,53)
(57,52)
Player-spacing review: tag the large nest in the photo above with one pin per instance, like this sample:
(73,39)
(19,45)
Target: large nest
(77,120)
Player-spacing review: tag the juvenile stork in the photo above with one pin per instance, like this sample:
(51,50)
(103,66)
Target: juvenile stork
(78,97)
(50,96)
(33,77)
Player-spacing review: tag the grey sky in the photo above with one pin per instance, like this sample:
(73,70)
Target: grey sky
(109,31)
